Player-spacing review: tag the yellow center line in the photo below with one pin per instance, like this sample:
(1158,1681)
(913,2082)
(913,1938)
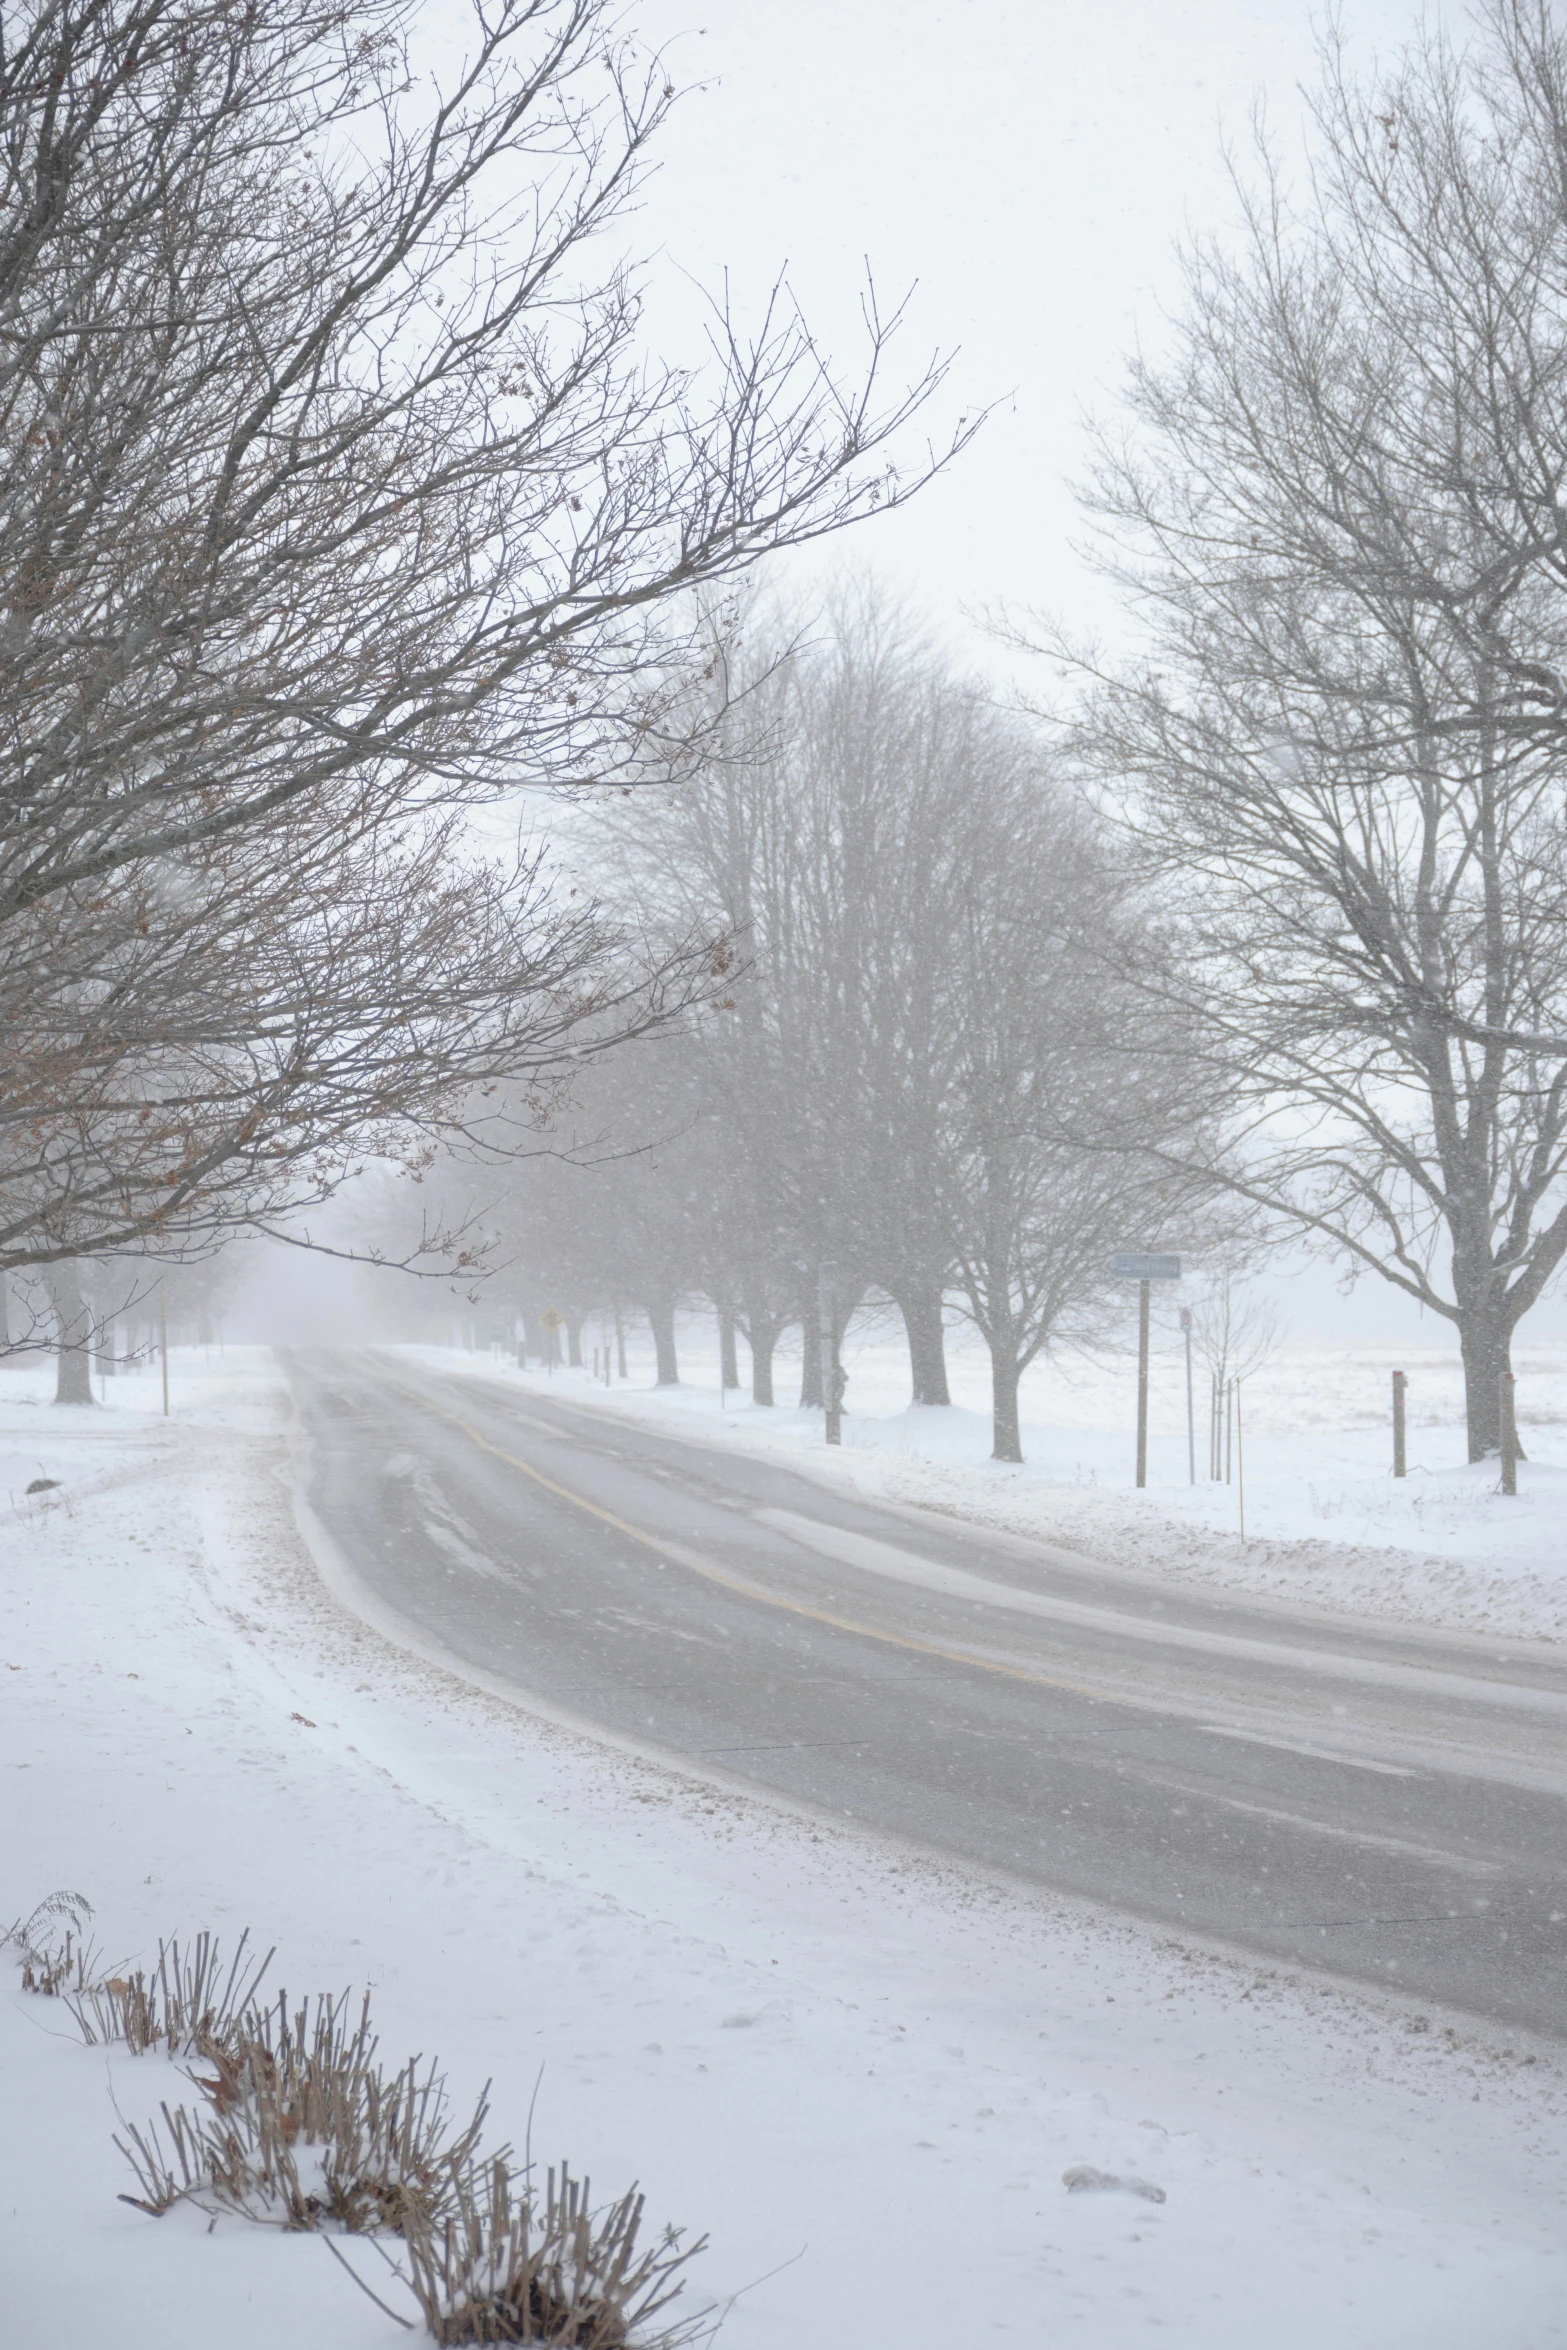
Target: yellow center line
(794,1607)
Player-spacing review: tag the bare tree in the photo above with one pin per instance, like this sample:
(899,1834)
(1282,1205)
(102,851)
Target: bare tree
(336,493)
(718,856)
(1063,1099)
(615,1209)
(1334,509)
(1234,1334)
(814,842)
(893,747)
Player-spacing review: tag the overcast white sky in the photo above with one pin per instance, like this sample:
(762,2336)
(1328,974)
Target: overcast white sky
(1030,163)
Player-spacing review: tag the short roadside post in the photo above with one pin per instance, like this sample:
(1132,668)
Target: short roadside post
(1144,1268)
(1400,1383)
(1509,1433)
(832,1385)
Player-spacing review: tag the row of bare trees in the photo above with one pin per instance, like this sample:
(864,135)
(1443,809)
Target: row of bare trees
(340,497)
(914,1063)
(1337,508)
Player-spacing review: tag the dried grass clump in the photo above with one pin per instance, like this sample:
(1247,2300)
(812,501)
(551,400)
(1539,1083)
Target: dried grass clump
(500,2269)
(304,2129)
(299,2127)
(187,2005)
(55,1958)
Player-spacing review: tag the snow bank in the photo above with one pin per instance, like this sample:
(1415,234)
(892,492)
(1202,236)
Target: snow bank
(863,2073)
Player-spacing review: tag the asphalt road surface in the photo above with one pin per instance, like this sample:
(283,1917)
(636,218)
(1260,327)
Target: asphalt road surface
(1387,1804)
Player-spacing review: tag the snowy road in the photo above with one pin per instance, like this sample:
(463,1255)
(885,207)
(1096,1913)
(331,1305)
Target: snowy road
(1388,1805)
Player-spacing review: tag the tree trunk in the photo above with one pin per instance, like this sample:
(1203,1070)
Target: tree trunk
(662,1317)
(1485,1342)
(729,1362)
(1007,1440)
(573,1338)
(810,1357)
(73,1361)
(620,1345)
(763,1331)
(923,1323)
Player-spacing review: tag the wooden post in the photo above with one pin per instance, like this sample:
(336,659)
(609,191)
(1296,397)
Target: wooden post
(163,1339)
(1240,1461)
(1399,1385)
(832,1386)
(1144,1292)
(1509,1420)
(1191,1414)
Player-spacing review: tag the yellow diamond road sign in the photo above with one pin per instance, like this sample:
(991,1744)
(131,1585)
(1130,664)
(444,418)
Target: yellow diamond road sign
(552,1318)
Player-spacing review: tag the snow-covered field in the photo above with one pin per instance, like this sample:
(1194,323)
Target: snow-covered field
(1327,1524)
(863,2074)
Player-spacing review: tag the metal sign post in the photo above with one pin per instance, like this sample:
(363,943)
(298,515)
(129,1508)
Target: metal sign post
(1400,1384)
(1191,1413)
(553,1320)
(1140,1266)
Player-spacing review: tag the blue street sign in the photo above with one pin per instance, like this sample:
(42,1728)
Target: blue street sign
(1133,1265)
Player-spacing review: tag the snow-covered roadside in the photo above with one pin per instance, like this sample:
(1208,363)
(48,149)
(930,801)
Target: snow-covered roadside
(825,2053)
(1443,1549)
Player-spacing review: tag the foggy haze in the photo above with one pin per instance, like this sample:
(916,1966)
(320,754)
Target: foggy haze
(783,1174)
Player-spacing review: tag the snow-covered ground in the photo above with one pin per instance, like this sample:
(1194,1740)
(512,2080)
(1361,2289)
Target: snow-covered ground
(862,2073)
(1327,1524)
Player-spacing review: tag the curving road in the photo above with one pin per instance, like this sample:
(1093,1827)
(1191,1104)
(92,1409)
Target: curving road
(1390,1805)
